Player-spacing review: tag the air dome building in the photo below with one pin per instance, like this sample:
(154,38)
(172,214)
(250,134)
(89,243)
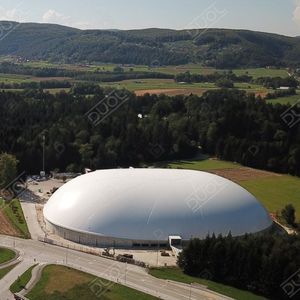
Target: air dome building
(145,207)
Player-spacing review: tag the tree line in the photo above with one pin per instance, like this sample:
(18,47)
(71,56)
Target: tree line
(189,77)
(268,82)
(258,263)
(47,84)
(229,124)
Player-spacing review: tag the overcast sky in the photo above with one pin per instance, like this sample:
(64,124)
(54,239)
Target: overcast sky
(279,16)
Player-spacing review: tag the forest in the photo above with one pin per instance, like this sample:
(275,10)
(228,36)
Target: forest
(224,123)
(258,263)
(218,48)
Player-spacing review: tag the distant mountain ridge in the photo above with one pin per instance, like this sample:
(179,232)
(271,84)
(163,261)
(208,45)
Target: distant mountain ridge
(221,48)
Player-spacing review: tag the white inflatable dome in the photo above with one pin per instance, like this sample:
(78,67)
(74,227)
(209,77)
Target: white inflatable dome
(153,204)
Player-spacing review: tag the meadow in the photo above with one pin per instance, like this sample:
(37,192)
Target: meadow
(59,283)
(275,191)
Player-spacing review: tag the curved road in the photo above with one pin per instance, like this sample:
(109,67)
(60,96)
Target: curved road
(33,252)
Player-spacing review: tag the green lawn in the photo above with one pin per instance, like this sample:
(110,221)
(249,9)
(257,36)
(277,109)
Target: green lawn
(151,84)
(203,165)
(21,282)
(262,72)
(6,255)
(62,283)
(285,100)
(176,274)
(276,192)
(4,271)
(15,214)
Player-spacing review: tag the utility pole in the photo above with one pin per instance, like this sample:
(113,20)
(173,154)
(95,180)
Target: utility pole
(44,152)
(125,272)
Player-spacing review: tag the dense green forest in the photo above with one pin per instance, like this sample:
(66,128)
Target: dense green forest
(262,264)
(218,48)
(225,123)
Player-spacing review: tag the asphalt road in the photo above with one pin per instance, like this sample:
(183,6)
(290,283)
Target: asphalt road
(32,252)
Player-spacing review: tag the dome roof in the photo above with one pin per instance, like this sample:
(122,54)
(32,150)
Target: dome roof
(151,204)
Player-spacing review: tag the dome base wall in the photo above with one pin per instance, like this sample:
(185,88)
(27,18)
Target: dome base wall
(95,240)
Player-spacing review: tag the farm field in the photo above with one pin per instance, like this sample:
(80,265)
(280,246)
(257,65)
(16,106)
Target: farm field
(173,70)
(58,282)
(152,86)
(273,190)
(262,72)
(285,100)
(176,274)
(170,87)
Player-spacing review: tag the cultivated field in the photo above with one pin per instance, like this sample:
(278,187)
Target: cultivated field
(152,86)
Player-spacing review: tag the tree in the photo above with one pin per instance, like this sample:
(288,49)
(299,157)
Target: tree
(225,83)
(8,169)
(289,214)
(118,69)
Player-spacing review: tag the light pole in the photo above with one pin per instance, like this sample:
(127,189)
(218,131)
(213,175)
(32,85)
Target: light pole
(44,138)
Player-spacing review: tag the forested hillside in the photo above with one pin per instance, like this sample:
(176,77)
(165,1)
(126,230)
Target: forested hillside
(219,48)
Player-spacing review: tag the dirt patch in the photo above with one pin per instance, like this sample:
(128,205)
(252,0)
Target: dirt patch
(242,174)
(261,94)
(171,92)
(6,227)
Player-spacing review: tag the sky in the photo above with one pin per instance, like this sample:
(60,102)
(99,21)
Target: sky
(278,16)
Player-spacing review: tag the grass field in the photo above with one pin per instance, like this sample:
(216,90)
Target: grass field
(21,282)
(274,192)
(193,68)
(176,274)
(6,255)
(153,86)
(203,165)
(62,283)
(170,87)
(6,270)
(262,72)
(144,84)
(285,100)
(15,214)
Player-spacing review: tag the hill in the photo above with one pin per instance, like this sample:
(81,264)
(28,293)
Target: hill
(221,48)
